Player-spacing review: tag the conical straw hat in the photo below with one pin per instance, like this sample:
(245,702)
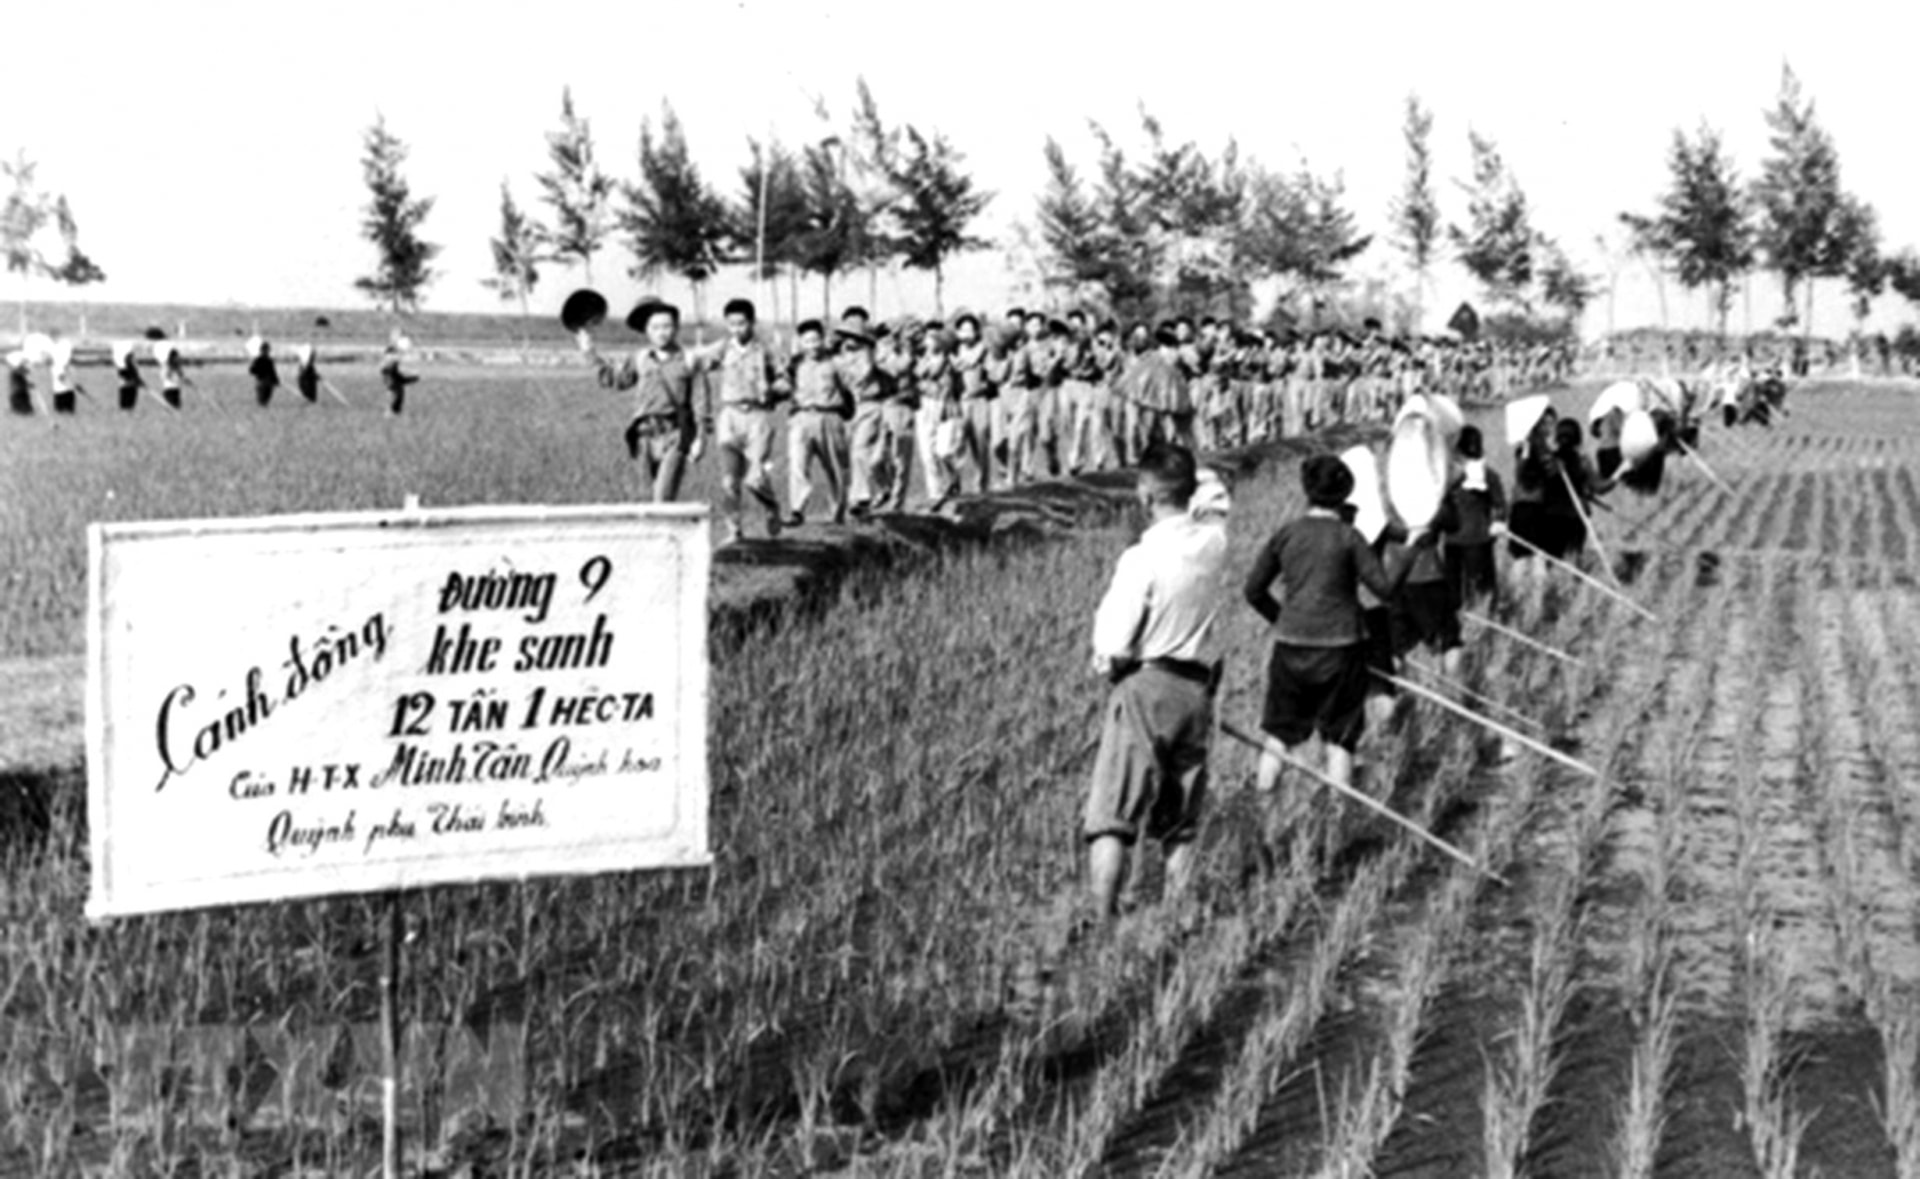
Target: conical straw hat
(1416,470)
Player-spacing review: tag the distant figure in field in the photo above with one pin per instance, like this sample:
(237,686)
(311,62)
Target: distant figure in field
(19,383)
(1152,638)
(66,393)
(266,377)
(173,371)
(306,373)
(127,370)
(393,377)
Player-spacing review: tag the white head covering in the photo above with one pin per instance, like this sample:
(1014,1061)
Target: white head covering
(255,345)
(304,354)
(1370,516)
(122,353)
(1211,500)
(1416,469)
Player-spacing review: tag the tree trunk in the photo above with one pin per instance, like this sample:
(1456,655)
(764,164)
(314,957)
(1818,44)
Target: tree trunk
(873,290)
(939,283)
(526,325)
(1806,326)
(826,296)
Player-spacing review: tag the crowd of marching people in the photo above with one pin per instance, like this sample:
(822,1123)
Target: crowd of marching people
(976,404)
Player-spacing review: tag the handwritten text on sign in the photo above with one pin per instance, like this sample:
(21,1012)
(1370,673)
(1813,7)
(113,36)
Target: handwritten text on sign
(304,705)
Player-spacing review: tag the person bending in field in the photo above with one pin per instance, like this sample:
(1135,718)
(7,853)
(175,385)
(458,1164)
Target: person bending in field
(265,374)
(66,391)
(393,376)
(1317,676)
(127,372)
(19,383)
(173,371)
(1480,498)
(306,373)
(1152,638)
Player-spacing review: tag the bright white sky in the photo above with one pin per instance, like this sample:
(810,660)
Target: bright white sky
(211,149)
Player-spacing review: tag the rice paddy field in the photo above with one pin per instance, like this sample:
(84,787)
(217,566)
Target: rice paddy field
(1704,961)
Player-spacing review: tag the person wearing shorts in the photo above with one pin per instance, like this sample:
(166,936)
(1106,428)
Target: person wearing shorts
(663,435)
(751,382)
(1152,639)
(1317,675)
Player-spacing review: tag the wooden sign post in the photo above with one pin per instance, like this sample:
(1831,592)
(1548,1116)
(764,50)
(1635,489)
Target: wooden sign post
(377,702)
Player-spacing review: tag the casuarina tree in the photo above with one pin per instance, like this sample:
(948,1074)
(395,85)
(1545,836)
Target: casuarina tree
(934,205)
(31,220)
(770,218)
(391,221)
(1496,245)
(1702,228)
(1415,213)
(674,221)
(1799,198)
(518,250)
(579,193)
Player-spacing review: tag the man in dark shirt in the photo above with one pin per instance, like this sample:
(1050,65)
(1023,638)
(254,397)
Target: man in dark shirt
(1317,677)
(266,377)
(1480,498)
(393,377)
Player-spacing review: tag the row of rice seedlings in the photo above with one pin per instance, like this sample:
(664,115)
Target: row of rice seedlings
(1258,1070)
(1652,996)
(1885,699)
(1895,1011)
(1636,658)
(1835,800)
(1765,985)
(1518,1083)
(1073,1140)
(1354,1141)
(1892,1007)
(1710,515)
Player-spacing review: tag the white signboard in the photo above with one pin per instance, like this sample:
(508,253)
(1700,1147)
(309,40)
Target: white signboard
(301,705)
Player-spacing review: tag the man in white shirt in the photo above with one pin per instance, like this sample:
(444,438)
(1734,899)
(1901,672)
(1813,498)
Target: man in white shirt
(1151,637)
